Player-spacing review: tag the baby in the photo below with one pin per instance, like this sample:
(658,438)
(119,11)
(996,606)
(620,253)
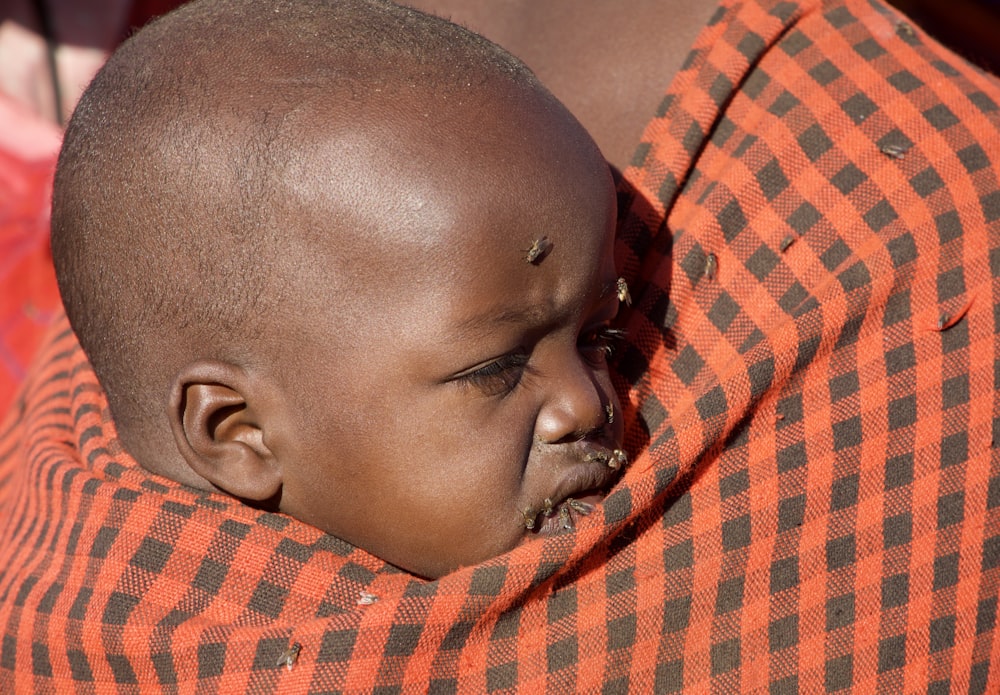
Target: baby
(350,263)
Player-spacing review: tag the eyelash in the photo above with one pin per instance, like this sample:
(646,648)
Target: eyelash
(501,376)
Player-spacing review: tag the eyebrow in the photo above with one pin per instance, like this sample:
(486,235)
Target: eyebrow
(487,322)
(530,316)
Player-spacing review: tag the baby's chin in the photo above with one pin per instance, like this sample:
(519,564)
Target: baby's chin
(562,518)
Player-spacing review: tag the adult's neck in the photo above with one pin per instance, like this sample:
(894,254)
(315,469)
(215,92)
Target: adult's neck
(609,62)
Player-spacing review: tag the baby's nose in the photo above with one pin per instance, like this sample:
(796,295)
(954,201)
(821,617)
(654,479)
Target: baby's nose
(575,408)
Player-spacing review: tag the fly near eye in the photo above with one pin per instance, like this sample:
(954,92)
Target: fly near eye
(604,339)
(623,294)
(538,251)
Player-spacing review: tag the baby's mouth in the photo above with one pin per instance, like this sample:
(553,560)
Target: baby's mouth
(612,459)
(561,512)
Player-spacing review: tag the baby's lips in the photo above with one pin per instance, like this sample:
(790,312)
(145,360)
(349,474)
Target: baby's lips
(583,487)
(589,469)
(613,458)
(584,504)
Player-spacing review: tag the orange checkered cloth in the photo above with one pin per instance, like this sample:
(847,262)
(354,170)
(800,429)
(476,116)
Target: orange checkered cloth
(811,230)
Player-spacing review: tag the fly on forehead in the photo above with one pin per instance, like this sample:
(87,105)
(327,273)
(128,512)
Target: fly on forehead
(538,251)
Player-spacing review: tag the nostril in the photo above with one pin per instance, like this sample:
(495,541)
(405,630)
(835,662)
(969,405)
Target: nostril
(567,434)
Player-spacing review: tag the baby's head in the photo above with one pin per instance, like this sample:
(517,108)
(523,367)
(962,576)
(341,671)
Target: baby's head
(351,263)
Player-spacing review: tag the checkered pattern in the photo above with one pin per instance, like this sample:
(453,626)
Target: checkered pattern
(811,230)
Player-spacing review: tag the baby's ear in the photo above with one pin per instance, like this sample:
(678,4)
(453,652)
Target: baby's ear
(220,433)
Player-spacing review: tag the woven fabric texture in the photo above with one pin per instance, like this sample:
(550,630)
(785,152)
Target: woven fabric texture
(811,232)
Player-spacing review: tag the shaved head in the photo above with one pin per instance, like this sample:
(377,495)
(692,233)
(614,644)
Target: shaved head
(170,225)
(292,237)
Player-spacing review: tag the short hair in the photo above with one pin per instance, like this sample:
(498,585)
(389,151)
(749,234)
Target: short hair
(163,189)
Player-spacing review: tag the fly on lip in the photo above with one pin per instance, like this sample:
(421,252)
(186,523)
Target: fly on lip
(556,517)
(612,459)
(559,513)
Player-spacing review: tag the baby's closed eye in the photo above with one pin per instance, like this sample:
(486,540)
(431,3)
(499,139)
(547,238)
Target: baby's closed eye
(498,377)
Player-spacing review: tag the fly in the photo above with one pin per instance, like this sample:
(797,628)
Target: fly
(529,518)
(894,151)
(366,599)
(711,266)
(290,656)
(618,459)
(565,520)
(581,508)
(539,249)
(600,456)
(623,293)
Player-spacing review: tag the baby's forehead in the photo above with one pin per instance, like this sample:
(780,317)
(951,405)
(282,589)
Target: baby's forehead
(376,165)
